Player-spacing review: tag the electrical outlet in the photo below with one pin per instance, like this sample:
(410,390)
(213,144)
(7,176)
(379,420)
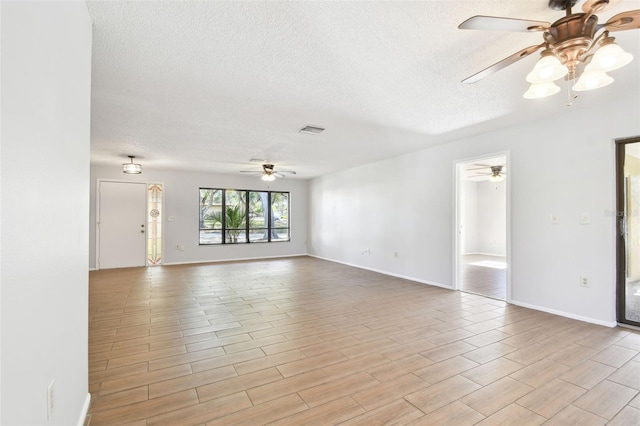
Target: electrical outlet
(50,400)
(585,219)
(584,281)
(179,247)
(555,220)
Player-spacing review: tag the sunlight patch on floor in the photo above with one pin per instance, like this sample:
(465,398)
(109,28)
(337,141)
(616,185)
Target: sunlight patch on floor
(490,264)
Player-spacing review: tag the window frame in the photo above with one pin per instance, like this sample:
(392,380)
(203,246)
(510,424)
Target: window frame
(245,193)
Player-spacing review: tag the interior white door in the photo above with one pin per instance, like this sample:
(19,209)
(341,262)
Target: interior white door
(121,225)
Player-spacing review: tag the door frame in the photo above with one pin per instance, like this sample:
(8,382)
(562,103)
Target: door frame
(146,200)
(457,244)
(621,264)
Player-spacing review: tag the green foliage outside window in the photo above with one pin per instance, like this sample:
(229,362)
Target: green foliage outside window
(249,216)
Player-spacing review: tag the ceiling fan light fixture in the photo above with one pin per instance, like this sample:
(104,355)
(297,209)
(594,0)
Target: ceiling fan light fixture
(609,57)
(571,44)
(496,178)
(547,69)
(268,177)
(591,80)
(541,90)
(131,168)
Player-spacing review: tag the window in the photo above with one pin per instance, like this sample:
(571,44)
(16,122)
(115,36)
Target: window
(231,216)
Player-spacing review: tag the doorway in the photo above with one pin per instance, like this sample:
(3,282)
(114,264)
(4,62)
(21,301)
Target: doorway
(628,230)
(121,224)
(481,231)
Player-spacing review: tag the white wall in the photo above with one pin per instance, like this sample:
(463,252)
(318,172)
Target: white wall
(46,71)
(468,217)
(181,200)
(492,218)
(563,165)
(1,212)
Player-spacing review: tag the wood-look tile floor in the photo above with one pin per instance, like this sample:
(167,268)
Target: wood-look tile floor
(302,341)
(483,280)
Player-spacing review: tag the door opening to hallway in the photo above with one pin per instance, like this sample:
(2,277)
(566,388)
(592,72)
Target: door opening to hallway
(481,228)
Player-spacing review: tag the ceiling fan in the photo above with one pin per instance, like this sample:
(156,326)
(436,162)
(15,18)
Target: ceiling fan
(574,46)
(496,173)
(269,173)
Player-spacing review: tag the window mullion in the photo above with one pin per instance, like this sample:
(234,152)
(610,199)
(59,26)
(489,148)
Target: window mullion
(270,215)
(246,216)
(223,216)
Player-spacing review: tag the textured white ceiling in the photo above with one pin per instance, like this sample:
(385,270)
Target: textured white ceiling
(209,85)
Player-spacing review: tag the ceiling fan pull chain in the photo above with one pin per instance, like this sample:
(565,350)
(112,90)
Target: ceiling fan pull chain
(571,94)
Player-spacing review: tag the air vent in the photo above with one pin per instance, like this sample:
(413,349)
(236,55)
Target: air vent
(312,130)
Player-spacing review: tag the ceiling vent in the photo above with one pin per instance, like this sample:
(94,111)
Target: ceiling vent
(311,130)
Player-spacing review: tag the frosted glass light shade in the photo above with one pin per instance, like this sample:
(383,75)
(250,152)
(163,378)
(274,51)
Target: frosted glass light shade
(131,168)
(591,80)
(496,178)
(547,69)
(268,178)
(541,90)
(608,58)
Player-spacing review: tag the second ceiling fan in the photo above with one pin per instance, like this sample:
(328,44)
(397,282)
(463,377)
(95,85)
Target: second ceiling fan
(495,173)
(269,173)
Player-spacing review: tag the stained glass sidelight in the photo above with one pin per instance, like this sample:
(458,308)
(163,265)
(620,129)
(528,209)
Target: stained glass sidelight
(154,224)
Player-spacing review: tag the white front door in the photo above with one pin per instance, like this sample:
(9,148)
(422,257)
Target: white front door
(121,225)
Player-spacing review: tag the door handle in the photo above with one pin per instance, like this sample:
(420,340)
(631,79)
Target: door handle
(622,227)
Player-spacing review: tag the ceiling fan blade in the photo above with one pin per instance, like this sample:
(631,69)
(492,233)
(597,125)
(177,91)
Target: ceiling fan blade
(287,171)
(629,20)
(495,23)
(278,174)
(503,63)
(251,171)
(596,6)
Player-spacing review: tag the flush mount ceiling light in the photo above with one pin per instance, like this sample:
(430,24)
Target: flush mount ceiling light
(131,168)
(574,46)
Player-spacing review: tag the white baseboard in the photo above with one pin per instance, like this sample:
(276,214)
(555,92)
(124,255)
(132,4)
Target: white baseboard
(93,269)
(632,327)
(478,253)
(85,410)
(383,272)
(233,260)
(565,314)
(515,302)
